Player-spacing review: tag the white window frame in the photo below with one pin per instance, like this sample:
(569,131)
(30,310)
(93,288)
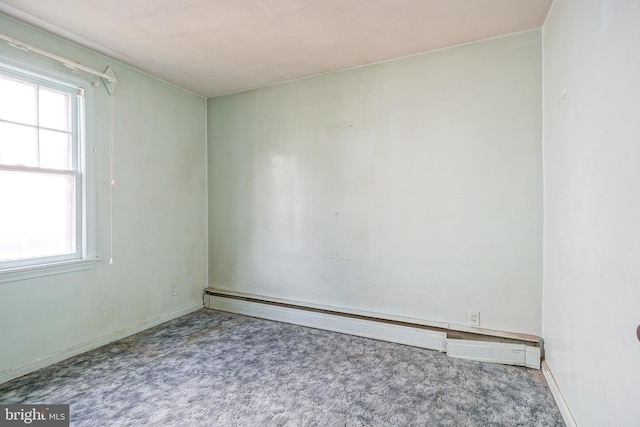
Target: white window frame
(85,255)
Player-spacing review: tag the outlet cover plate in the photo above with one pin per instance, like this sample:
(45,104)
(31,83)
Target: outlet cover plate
(474,317)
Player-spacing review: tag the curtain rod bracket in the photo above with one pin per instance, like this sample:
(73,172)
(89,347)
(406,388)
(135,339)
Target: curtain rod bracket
(110,83)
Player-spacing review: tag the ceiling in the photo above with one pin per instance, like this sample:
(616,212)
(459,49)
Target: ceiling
(212,47)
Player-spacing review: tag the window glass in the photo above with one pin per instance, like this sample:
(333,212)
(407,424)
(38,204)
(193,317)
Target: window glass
(54,109)
(55,149)
(41,218)
(18,101)
(18,145)
(42,181)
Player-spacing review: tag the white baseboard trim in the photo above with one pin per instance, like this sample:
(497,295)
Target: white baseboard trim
(495,352)
(50,359)
(383,316)
(391,328)
(413,336)
(313,306)
(567,416)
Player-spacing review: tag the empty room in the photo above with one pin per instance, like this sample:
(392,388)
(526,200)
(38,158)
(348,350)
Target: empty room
(320,213)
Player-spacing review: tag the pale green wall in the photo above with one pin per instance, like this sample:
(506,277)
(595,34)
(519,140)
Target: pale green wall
(159,222)
(592,207)
(411,187)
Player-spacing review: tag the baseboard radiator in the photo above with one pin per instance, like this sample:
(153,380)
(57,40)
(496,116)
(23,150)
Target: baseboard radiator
(456,340)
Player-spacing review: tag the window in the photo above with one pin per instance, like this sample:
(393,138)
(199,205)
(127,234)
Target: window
(44,173)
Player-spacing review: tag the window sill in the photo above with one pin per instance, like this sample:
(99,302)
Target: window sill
(42,270)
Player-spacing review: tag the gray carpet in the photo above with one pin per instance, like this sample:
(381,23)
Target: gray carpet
(219,369)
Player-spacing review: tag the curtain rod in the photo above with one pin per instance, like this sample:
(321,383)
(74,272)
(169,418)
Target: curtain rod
(66,62)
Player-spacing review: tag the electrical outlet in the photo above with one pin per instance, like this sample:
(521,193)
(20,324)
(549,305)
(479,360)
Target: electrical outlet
(474,317)
(174,291)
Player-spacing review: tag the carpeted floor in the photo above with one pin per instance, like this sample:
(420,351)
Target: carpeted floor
(219,369)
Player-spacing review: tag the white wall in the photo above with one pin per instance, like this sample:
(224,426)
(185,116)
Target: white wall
(592,207)
(411,187)
(159,222)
